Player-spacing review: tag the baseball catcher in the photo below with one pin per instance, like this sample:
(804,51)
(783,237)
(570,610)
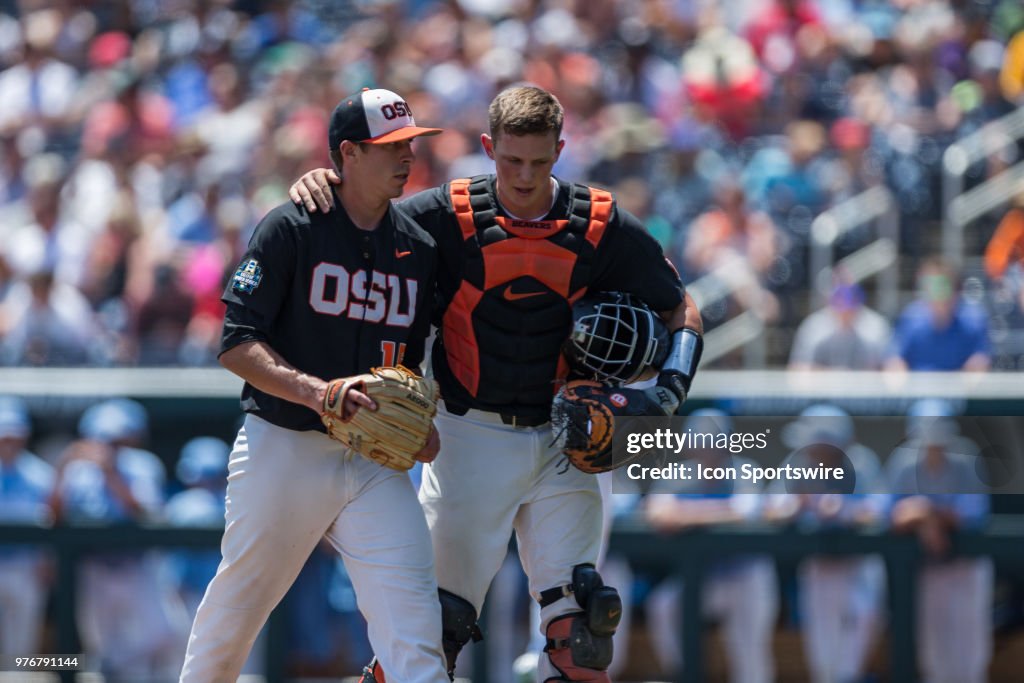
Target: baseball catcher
(400,426)
(616,339)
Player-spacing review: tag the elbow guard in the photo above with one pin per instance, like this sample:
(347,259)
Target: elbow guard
(679,369)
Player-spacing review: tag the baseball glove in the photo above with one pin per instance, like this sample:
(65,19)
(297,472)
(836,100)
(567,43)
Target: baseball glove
(399,427)
(584,416)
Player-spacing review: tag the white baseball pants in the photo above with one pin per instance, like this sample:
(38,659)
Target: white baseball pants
(491,479)
(746,603)
(286,491)
(840,599)
(22,603)
(954,622)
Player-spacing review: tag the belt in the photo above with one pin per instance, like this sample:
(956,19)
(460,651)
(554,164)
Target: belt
(505,418)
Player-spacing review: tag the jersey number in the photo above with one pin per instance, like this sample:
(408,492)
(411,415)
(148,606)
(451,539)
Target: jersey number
(387,349)
(374,298)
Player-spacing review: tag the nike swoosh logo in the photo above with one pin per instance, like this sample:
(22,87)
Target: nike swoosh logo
(513,296)
(401,254)
(614,613)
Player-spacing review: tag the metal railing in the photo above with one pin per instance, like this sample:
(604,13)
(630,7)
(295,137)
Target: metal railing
(70,544)
(172,385)
(686,554)
(874,206)
(976,202)
(744,330)
(958,158)
(689,555)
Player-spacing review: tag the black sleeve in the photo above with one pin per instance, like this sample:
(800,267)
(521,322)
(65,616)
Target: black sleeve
(628,259)
(241,325)
(261,282)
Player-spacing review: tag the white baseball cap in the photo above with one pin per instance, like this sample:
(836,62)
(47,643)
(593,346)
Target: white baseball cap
(376,116)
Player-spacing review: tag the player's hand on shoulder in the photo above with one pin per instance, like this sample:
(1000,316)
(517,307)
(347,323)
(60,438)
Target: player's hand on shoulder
(313,189)
(429,452)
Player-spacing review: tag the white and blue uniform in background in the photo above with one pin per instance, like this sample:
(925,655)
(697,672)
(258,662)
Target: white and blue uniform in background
(203,469)
(954,601)
(740,592)
(26,483)
(129,617)
(840,597)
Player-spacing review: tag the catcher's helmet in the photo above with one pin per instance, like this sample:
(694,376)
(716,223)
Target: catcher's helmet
(614,338)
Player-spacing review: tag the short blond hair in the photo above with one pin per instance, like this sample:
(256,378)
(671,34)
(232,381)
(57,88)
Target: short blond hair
(525,110)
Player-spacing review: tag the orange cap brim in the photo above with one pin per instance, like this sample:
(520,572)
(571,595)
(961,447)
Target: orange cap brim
(403,133)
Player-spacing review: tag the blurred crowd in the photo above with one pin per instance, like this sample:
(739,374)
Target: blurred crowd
(141,141)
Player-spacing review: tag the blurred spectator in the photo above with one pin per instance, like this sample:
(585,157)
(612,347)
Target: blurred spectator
(680,191)
(796,190)
(939,330)
(12,171)
(1004,254)
(984,100)
(740,592)
(633,195)
(26,483)
(723,79)
(129,618)
(937,492)
(774,29)
(1011,75)
(163,316)
(231,126)
(846,334)
(350,626)
(46,323)
(313,647)
(203,469)
(39,87)
(736,244)
(106,270)
(840,597)
(45,236)
(857,166)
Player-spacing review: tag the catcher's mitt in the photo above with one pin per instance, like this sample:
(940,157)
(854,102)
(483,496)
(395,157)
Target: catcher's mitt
(399,427)
(583,418)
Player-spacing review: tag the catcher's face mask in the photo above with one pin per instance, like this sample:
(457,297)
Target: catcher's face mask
(614,338)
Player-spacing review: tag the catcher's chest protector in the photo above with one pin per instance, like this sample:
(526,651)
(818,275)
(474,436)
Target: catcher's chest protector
(503,329)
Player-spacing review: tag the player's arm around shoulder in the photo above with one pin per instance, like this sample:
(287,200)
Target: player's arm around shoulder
(314,189)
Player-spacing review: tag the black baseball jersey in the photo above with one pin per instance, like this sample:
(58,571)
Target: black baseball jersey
(627,259)
(331,299)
